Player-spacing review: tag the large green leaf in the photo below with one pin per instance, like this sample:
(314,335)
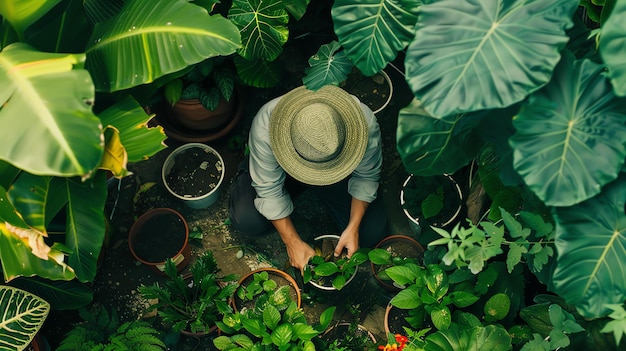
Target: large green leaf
(327,67)
(258,73)
(263,27)
(483,54)
(432,146)
(591,242)
(23,314)
(63,29)
(22,14)
(131,121)
(613,47)
(147,40)
(46,104)
(31,195)
(85,224)
(373,31)
(563,129)
(489,338)
(61,294)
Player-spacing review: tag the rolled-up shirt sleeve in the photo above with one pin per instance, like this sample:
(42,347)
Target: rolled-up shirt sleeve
(268,178)
(363,183)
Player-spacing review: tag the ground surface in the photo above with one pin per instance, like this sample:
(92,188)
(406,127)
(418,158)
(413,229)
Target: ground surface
(120,274)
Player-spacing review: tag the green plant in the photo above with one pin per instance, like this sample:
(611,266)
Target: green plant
(328,270)
(274,322)
(532,242)
(538,62)
(60,138)
(193,304)
(385,259)
(550,101)
(101,331)
(208,81)
(23,315)
(347,334)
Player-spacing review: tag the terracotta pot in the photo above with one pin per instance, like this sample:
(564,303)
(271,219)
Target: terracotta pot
(151,221)
(191,122)
(407,248)
(279,276)
(190,114)
(332,239)
(394,318)
(198,167)
(453,202)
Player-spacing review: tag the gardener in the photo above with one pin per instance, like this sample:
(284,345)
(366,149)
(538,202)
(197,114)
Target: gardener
(326,141)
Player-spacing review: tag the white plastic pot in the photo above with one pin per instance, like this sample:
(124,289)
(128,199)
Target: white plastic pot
(208,198)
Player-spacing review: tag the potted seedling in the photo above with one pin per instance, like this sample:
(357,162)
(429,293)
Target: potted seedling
(266,285)
(192,304)
(101,330)
(394,250)
(268,317)
(327,272)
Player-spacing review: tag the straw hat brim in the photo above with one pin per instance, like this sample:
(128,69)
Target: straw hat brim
(333,170)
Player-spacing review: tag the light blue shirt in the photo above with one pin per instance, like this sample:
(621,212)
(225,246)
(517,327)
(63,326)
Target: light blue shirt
(268,178)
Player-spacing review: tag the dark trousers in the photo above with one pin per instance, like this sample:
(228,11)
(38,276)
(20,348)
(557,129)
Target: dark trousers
(245,218)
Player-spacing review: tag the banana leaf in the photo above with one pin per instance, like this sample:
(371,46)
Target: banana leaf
(147,40)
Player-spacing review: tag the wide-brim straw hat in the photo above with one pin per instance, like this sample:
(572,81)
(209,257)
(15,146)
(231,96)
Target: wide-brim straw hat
(318,137)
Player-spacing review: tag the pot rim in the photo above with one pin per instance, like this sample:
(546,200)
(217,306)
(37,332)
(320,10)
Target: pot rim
(331,288)
(274,271)
(170,160)
(416,220)
(142,220)
(400,237)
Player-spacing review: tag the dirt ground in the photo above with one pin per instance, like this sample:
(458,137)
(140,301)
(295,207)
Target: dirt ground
(120,274)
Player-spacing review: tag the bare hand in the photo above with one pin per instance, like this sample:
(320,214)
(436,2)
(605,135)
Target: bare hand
(299,254)
(349,240)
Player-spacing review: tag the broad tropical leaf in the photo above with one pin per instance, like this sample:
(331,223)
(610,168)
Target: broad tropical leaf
(613,46)
(22,317)
(562,130)
(484,54)
(22,14)
(62,295)
(432,146)
(296,8)
(131,121)
(258,73)
(373,31)
(46,104)
(591,242)
(85,224)
(489,338)
(327,67)
(263,27)
(147,40)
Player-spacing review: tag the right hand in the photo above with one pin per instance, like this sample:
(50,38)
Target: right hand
(299,254)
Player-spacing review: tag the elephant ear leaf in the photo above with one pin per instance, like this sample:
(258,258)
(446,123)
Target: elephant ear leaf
(590,239)
(475,55)
(613,47)
(22,317)
(431,146)
(384,28)
(562,130)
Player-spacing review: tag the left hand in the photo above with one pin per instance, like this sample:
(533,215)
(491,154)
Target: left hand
(349,240)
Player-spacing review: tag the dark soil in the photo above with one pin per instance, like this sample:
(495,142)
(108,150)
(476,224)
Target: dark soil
(418,192)
(159,238)
(373,91)
(396,320)
(195,172)
(401,249)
